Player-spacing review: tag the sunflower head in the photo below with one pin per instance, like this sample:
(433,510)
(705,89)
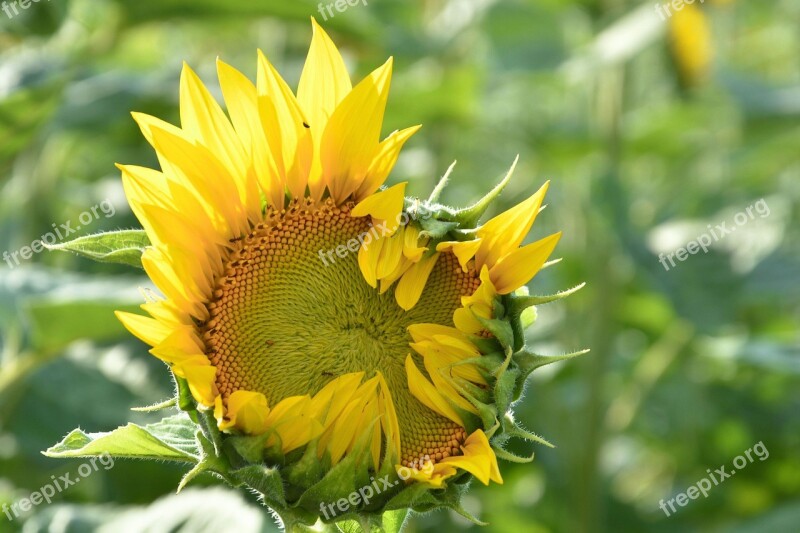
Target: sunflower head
(330,336)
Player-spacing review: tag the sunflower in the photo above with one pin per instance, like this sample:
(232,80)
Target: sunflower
(691,45)
(309,306)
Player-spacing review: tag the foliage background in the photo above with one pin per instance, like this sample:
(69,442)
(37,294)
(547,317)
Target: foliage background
(689,367)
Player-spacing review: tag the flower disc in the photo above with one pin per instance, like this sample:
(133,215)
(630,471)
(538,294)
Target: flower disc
(287,319)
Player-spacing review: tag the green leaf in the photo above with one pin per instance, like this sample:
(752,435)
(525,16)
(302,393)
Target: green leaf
(56,323)
(172,438)
(265,480)
(393,521)
(124,247)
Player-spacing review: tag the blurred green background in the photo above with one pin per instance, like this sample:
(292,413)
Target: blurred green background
(650,130)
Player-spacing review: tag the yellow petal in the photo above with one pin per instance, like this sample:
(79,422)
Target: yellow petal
(519,267)
(391,255)
(169,270)
(200,172)
(345,432)
(368,256)
(384,205)
(352,135)
(145,185)
(425,392)
(463,250)
(148,330)
(166,313)
(428,332)
(173,229)
(324,83)
(479,459)
(465,321)
(287,132)
(201,380)
(411,248)
(389,421)
(329,402)
(402,266)
(447,358)
(146,124)
(438,366)
(180,345)
(480,303)
(203,118)
(247,411)
(294,422)
(241,97)
(413,282)
(430,474)
(504,233)
(241,100)
(384,160)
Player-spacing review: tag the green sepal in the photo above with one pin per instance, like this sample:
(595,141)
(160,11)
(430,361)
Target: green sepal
(309,470)
(437,191)
(210,462)
(511,429)
(529,361)
(528,317)
(243,450)
(505,388)
(186,401)
(269,484)
(486,345)
(500,329)
(421,498)
(469,216)
(467,388)
(504,454)
(124,247)
(265,480)
(435,229)
(208,425)
(518,303)
(339,482)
